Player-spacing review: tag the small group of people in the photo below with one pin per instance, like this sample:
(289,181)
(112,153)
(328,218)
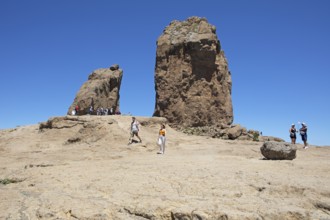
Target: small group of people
(135,128)
(75,111)
(103,111)
(303,134)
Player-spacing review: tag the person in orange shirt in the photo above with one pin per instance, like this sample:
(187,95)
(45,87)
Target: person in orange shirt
(162,139)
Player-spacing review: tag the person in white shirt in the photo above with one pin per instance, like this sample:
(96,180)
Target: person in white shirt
(135,128)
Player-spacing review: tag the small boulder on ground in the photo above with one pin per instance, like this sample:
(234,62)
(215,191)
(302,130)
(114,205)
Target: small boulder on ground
(235,131)
(272,150)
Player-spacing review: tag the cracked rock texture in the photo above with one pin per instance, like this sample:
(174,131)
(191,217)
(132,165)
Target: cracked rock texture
(192,79)
(80,167)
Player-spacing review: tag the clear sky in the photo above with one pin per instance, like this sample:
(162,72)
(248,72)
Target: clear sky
(278,52)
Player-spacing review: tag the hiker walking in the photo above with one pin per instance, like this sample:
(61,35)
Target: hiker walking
(135,128)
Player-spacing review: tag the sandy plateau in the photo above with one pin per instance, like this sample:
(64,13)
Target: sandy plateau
(82,168)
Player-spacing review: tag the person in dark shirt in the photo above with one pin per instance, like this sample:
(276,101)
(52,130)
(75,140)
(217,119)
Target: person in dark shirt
(303,133)
(293,136)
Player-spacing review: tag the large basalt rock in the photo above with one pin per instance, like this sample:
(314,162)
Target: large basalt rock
(101,90)
(278,150)
(192,80)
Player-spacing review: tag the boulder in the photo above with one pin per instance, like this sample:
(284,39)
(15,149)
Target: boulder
(101,90)
(278,150)
(192,79)
(235,131)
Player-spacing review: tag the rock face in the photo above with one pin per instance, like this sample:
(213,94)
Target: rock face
(100,91)
(278,150)
(192,80)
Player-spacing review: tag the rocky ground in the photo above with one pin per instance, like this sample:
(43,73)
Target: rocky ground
(82,168)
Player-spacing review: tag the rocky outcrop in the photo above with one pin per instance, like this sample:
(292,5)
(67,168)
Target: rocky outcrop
(80,167)
(230,132)
(100,91)
(85,129)
(278,151)
(192,80)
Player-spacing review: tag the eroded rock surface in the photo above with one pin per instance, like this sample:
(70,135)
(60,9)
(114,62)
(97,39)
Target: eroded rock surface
(192,80)
(101,90)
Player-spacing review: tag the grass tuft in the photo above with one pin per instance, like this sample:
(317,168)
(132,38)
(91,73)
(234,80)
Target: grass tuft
(7,181)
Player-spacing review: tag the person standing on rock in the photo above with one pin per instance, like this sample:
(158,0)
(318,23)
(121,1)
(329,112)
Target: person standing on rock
(135,128)
(293,136)
(76,110)
(303,133)
(90,111)
(161,139)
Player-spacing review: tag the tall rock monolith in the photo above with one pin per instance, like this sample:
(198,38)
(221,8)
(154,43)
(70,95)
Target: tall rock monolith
(192,79)
(101,90)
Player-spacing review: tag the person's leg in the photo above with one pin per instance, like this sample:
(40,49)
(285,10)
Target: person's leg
(304,137)
(131,138)
(137,135)
(163,143)
(161,146)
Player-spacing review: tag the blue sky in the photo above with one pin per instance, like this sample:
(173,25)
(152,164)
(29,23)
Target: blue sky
(278,54)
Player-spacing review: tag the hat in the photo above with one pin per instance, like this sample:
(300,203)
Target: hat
(304,124)
(292,125)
